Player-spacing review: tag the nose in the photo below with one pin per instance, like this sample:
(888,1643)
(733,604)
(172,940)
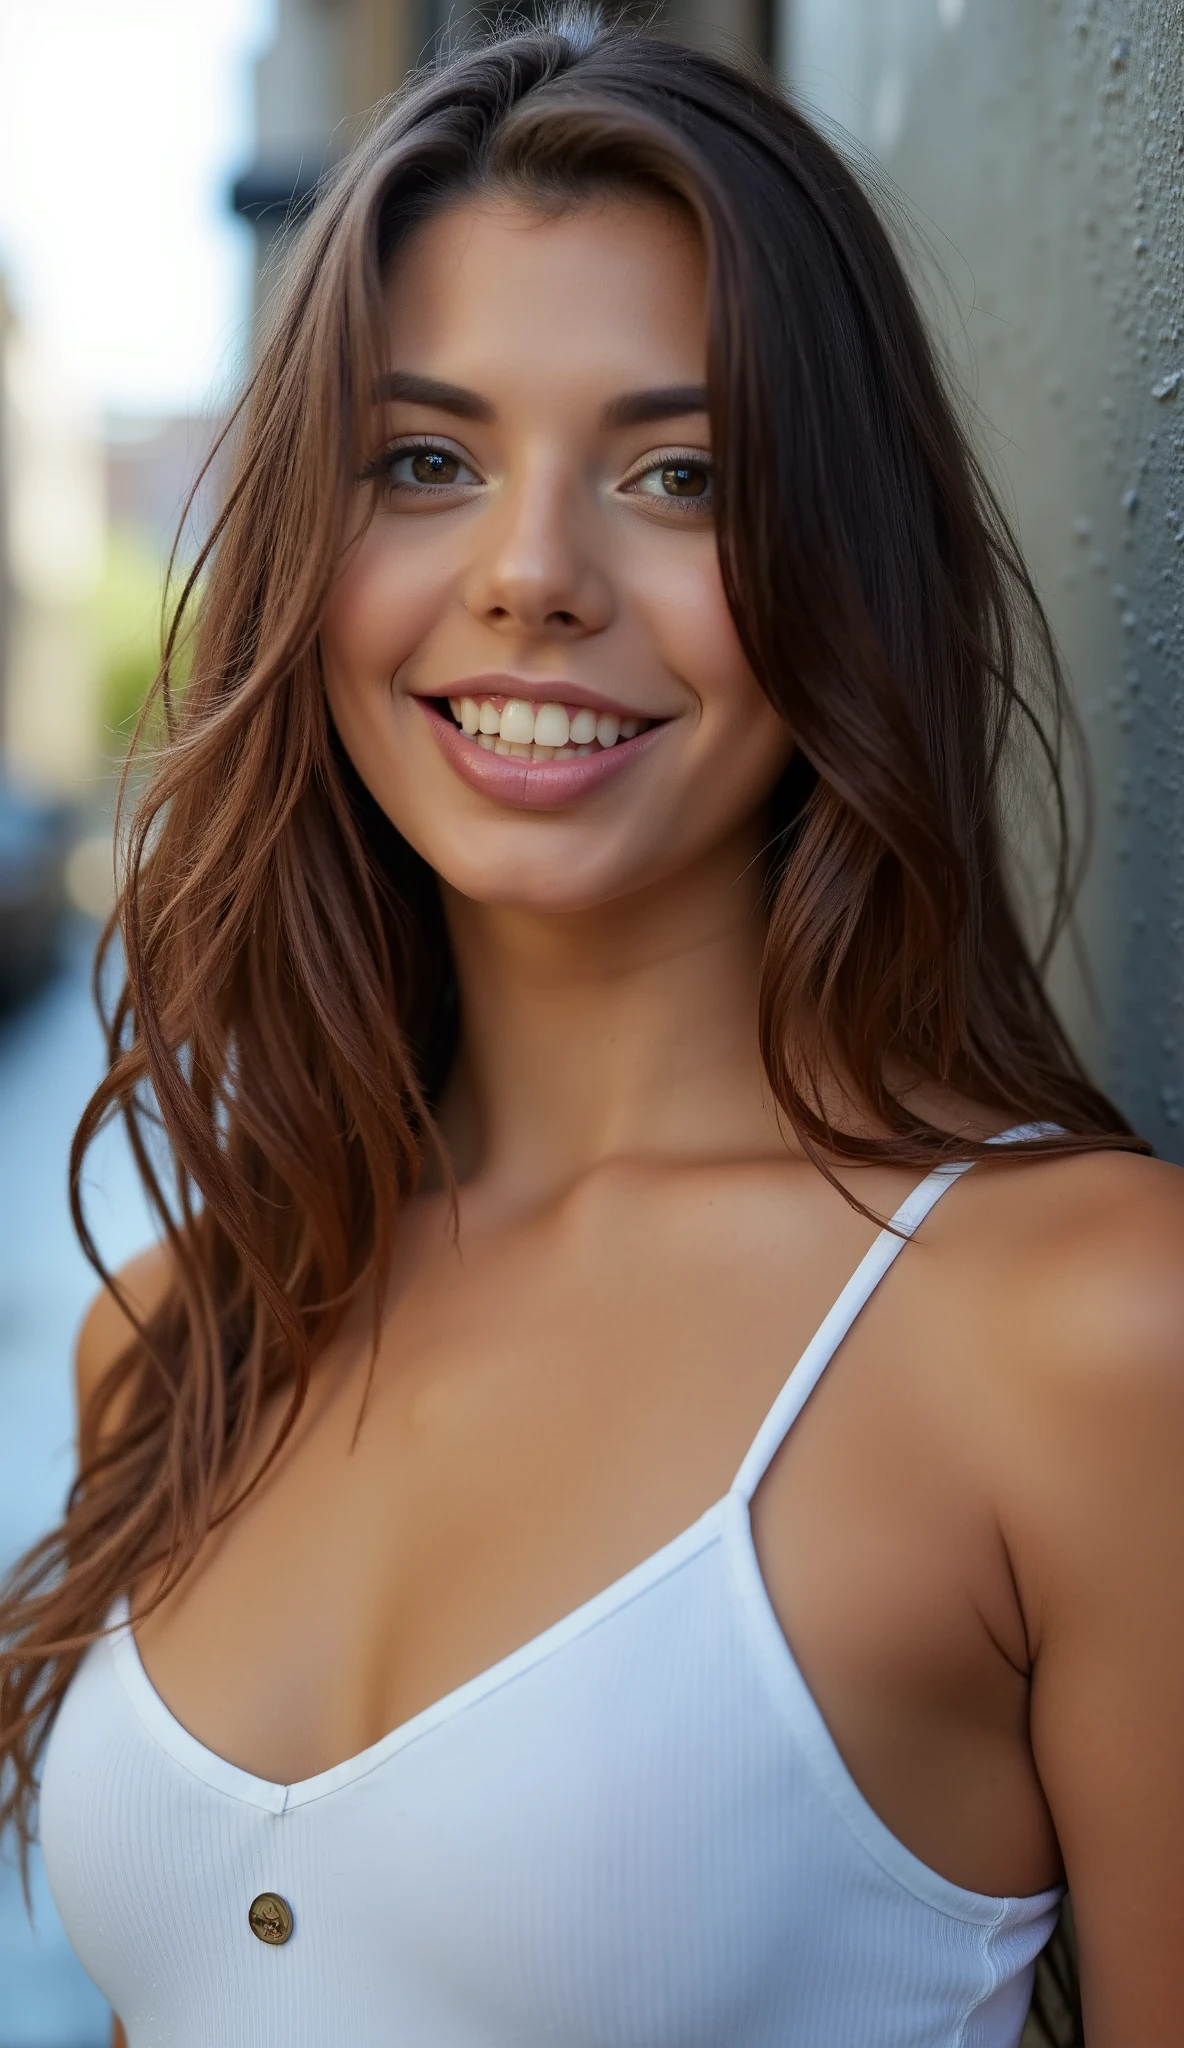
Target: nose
(536,568)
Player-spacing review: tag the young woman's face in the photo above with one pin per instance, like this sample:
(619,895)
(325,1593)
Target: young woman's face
(527,652)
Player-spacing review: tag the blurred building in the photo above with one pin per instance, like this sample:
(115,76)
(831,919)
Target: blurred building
(52,534)
(333,61)
(151,464)
(6,595)
(89,511)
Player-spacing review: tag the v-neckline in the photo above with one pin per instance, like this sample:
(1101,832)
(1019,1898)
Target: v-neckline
(732,1509)
(274,1797)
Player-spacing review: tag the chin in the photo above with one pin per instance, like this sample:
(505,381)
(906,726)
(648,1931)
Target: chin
(548,882)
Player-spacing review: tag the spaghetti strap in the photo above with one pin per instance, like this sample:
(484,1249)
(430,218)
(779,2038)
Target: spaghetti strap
(858,1291)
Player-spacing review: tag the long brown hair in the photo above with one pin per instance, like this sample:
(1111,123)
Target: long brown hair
(288,1013)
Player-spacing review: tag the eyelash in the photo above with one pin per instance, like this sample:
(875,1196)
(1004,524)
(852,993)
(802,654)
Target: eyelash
(421,444)
(378,469)
(677,458)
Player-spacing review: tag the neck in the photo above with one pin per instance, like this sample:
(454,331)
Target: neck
(627,1030)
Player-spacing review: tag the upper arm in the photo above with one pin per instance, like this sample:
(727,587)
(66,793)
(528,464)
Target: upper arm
(1099,1552)
(106,1328)
(104,1332)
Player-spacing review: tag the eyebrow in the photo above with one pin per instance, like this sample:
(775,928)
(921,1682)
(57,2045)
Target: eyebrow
(453,398)
(638,408)
(631,409)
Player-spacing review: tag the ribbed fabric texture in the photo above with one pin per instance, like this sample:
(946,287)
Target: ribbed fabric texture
(635,1832)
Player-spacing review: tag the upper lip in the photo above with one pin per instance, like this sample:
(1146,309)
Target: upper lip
(535,691)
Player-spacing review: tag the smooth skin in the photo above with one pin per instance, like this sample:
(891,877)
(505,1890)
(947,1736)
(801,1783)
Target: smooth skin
(974,1537)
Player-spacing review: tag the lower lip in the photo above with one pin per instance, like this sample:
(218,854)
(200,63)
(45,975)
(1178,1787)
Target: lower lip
(531,785)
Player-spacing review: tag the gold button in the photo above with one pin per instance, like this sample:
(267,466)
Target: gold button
(270,1918)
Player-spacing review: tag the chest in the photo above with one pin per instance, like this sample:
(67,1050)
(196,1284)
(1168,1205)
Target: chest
(638,1833)
(547,1410)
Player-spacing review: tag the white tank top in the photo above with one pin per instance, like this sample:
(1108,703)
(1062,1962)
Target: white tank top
(633,1832)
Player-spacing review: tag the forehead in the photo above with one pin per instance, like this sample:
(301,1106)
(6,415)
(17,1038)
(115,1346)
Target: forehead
(610,292)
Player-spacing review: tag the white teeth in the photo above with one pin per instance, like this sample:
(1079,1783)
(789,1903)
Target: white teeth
(551,726)
(550,732)
(517,721)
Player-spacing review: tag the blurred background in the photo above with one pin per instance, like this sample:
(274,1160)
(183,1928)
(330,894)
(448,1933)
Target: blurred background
(152,151)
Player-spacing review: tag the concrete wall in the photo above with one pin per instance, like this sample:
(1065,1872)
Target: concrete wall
(1041,144)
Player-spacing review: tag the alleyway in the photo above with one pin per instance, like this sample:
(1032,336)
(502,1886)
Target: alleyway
(50,1058)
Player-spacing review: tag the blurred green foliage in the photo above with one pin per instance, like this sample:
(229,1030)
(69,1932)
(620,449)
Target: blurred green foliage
(128,624)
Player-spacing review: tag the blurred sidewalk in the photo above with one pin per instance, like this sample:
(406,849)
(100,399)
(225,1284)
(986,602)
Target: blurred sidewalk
(50,1058)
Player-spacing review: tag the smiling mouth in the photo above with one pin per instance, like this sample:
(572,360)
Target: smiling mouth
(545,731)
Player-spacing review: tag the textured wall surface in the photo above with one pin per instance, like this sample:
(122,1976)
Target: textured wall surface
(1040,144)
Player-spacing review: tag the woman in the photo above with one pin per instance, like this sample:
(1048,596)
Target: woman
(569,915)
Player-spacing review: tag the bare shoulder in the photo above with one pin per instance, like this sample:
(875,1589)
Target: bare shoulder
(1079,1370)
(105,1327)
(1070,1276)
(1093,1250)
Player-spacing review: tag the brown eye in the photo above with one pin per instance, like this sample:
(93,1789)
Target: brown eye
(434,466)
(684,480)
(421,469)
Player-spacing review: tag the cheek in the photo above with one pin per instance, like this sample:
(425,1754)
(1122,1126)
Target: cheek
(380,610)
(689,617)
(744,744)
(679,591)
